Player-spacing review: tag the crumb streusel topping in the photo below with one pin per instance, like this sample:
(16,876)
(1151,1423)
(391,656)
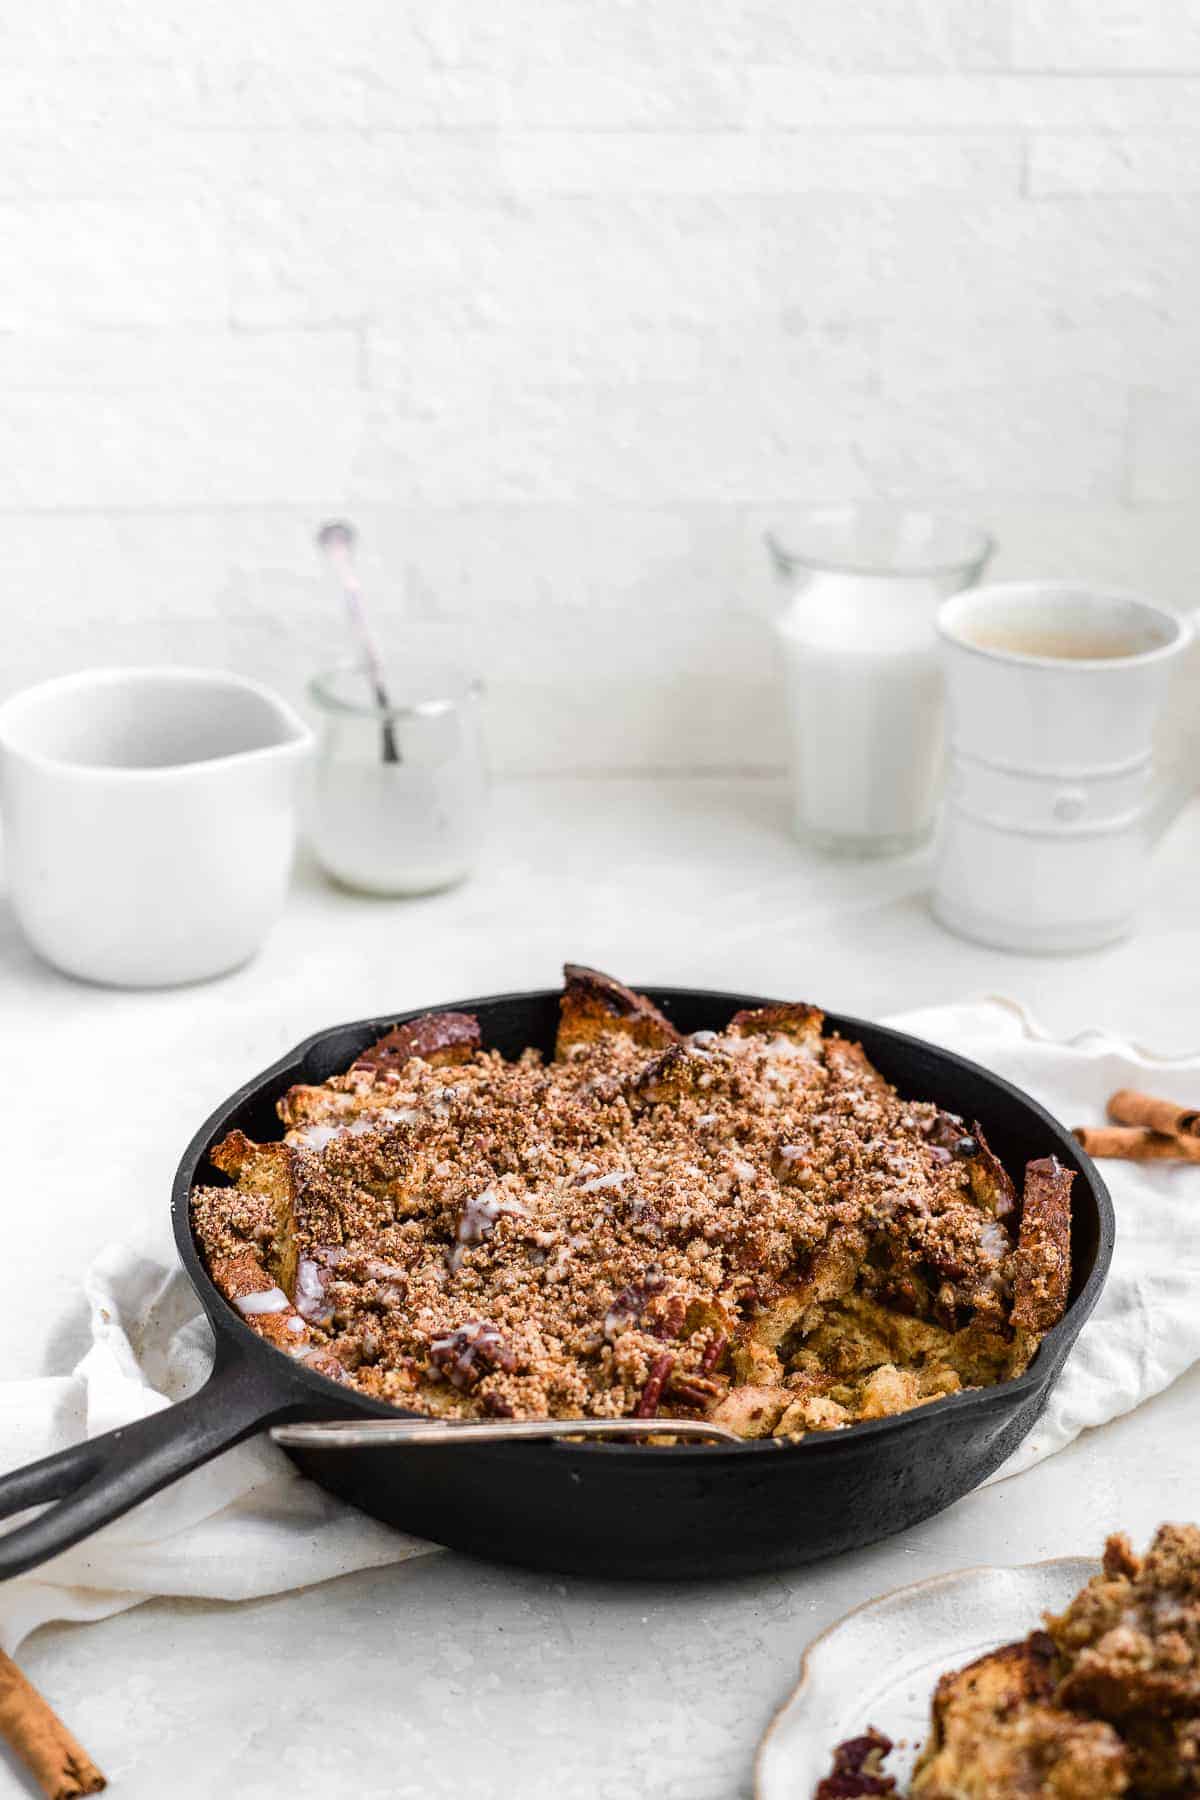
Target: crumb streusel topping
(1104,1703)
(748,1224)
(1128,1651)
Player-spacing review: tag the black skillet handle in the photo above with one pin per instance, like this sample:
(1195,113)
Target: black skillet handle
(96,1481)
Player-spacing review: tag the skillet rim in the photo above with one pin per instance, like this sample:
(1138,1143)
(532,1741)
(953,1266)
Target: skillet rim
(1005,1396)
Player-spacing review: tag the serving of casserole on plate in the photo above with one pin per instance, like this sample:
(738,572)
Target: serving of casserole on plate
(747,1224)
(1068,1680)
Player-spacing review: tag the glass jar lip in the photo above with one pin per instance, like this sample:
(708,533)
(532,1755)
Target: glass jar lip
(808,540)
(322,691)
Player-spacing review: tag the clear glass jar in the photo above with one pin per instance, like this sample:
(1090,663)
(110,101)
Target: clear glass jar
(399,793)
(863,584)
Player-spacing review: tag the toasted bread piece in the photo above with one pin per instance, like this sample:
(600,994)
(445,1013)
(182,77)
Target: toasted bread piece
(825,1401)
(1130,1639)
(1042,1279)
(267,1170)
(371,1114)
(831,1273)
(851,1336)
(997,1732)
(264,1306)
(447,1037)
(669,1077)
(239,1275)
(753,1412)
(300,1190)
(799,1023)
(811,1408)
(886,1391)
(947,1130)
(1164,1756)
(305,1105)
(850,1062)
(991,1184)
(594,1004)
(237,1152)
(285,1192)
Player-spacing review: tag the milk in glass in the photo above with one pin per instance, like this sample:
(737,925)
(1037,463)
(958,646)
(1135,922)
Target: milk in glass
(862,671)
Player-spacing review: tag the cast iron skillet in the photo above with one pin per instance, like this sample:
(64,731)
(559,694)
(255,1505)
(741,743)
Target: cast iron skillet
(587,1508)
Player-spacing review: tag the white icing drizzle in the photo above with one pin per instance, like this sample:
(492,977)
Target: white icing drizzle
(556,1266)
(269,1300)
(310,1289)
(319,1135)
(993,1239)
(606,1181)
(477,1221)
(378,1270)
(777,1048)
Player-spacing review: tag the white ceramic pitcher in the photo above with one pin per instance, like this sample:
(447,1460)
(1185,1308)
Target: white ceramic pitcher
(149,820)
(1052,802)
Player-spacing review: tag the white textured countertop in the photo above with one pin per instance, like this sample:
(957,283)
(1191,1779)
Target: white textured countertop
(447,1678)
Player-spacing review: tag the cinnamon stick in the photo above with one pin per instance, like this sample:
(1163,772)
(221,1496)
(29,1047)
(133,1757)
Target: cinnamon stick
(61,1767)
(1134,1143)
(1130,1107)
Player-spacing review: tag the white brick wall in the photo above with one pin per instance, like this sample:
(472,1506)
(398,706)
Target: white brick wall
(561,300)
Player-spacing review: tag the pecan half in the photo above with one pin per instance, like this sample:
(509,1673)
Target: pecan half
(627,1306)
(466,1355)
(697,1390)
(652,1393)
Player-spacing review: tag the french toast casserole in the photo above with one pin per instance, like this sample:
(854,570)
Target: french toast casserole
(1104,1702)
(748,1225)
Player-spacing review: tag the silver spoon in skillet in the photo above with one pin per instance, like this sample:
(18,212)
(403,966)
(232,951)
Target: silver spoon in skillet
(360,1434)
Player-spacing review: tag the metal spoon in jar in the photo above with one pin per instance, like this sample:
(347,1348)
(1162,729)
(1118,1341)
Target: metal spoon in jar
(337,540)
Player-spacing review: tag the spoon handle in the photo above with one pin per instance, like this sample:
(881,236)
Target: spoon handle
(361,1434)
(337,540)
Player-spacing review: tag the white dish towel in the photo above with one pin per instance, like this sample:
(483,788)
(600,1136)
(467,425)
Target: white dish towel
(248,1524)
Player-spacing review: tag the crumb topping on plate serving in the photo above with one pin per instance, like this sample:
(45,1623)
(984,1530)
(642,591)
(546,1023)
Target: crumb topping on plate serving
(1104,1702)
(748,1224)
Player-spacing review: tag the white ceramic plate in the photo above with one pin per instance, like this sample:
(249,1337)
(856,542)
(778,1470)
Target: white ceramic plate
(879,1665)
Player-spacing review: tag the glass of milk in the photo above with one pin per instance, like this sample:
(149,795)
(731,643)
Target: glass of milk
(398,792)
(864,698)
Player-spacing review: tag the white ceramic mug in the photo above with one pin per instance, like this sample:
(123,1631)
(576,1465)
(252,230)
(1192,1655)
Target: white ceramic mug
(149,820)
(1053,692)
